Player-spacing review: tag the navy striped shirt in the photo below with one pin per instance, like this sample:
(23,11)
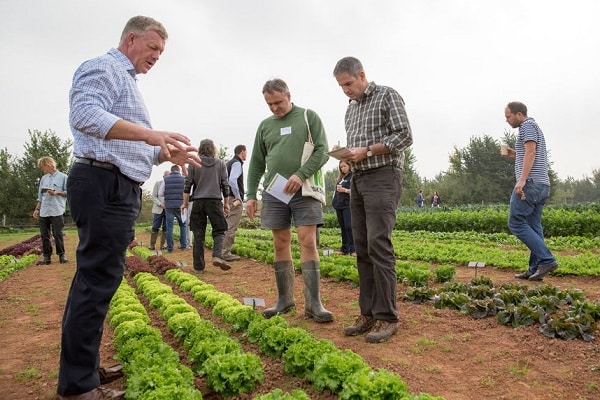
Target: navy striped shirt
(530,131)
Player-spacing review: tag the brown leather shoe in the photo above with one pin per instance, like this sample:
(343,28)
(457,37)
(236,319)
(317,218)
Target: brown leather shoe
(231,257)
(110,374)
(219,262)
(542,271)
(363,324)
(99,393)
(523,275)
(382,331)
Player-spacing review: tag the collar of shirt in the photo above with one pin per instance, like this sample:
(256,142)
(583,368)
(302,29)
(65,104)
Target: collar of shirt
(124,61)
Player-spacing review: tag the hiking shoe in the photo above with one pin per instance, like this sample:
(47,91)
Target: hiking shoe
(363,324)
(382,331)
(524,275)
(542,271)
(63,259)
(109,374)
(219,262)
(231,257)
(45,261)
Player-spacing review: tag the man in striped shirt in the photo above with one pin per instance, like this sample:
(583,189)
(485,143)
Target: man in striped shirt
(378,132)
(531,191)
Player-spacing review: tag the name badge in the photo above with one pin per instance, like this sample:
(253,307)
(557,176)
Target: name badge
(285,131)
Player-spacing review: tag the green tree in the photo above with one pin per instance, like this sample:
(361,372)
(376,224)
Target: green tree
(222,153)
(410,179)
(8,180)
(478,174)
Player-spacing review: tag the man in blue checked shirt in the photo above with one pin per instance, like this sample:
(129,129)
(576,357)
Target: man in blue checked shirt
(50,209)
(115,148)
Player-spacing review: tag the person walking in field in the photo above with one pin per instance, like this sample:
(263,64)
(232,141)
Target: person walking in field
(530,192)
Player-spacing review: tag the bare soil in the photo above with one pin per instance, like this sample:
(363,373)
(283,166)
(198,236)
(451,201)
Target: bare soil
(441,352)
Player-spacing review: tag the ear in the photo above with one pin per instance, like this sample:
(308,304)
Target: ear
(130,38)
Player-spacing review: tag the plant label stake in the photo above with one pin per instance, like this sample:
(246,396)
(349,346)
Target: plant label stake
(476,265)
(254,302)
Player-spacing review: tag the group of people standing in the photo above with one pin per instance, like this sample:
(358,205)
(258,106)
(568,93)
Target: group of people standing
(116,147)
(435,199)
(195,200)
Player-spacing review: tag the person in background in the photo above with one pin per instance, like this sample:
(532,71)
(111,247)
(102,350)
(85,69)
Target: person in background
(531,191)
(115,148)
(435,200)
(378,132)
(208,188)
(341,204)
(172,192)
(420,198)
(278,148)
(236,205)
(50,209)
(158,215)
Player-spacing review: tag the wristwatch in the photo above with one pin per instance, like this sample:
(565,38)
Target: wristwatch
(369,151)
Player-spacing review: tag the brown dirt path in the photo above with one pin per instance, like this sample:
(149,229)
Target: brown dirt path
(440,352)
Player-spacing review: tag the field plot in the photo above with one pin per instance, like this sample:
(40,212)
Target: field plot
(439,351)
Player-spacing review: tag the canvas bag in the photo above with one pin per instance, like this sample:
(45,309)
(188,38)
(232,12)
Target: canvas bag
(313,186)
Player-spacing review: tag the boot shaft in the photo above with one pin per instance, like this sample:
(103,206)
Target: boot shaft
(312,297)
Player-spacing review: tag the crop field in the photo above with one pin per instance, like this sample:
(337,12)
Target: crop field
(465,332)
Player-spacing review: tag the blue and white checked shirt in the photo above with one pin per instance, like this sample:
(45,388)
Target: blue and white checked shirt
(52,205)
(104,91)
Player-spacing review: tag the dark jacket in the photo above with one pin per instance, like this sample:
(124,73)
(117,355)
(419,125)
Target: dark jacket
(342,200)
(240,179)
(174,190)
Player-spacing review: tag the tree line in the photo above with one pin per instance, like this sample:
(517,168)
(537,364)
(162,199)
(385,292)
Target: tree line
(476,174)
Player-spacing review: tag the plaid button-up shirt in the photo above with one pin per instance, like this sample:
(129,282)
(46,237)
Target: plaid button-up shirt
(378,117)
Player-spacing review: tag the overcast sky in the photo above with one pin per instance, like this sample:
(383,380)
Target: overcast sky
(455,63)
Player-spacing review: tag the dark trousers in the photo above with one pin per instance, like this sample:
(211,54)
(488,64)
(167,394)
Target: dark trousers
(205,210)
(104,206)
(344,217)
(54,226)
(159,221)
(375,196)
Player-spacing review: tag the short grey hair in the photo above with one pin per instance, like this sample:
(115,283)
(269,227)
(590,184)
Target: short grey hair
(349,65)
(275,85)
(140,25)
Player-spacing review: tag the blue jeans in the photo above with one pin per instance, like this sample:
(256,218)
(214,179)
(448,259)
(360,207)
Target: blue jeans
(170,215)
(525,222)
(159,221)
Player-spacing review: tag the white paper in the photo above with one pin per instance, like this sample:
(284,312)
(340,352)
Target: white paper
(341,153)
(275,189)
(184,216)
